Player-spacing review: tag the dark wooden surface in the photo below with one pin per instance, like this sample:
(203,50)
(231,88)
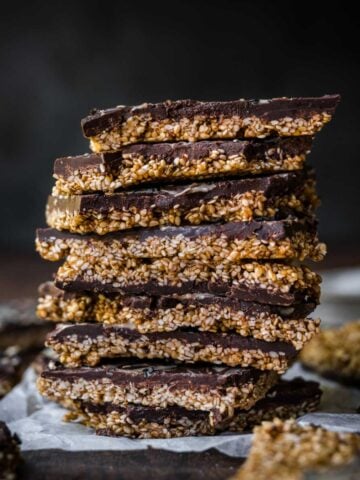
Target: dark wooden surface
(148,464)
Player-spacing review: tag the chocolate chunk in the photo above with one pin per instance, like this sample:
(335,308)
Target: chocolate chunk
(287,392)
(263,230)
(243,292)
(267,110)
(251,149)
(186,196)
(159,162)
(288,238)
(273,197)
(145,372)
(251,309)
(87,344)
(195,387)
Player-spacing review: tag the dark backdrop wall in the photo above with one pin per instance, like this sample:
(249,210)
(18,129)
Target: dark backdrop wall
(60,59)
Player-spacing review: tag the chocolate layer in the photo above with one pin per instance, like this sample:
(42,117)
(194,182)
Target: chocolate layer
(263,230)
(273,109)
(185,196)
(295,311)
(136,372)
(91,331)
(251,150)
(286,392)
(243,292)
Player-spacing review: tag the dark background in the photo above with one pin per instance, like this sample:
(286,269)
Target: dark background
(60,59)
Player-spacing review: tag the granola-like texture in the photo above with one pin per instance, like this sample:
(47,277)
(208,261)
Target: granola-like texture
(9,453)
(213,317)
(285,450)
(133,166)
(113,421)
(336,353)
(214,248)
(98,391)
(240,207)
(270,277)
(74,350)
(142,128)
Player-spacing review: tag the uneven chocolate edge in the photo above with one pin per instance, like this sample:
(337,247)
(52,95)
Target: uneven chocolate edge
(252,149)
(183,195)
(143,373)
(265,230)
(85,331)
(286,392)
(295,311)
(272,109)
(242,292)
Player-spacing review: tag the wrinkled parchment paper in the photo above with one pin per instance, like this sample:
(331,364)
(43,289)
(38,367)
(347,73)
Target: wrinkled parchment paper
(39,423)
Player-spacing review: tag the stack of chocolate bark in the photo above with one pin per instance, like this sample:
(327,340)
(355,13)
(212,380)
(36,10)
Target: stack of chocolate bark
(181,297)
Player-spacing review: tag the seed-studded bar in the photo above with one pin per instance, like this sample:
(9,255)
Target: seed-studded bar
(159,162)
(217,243)
(287,399)
(262,282)
(273,196)
(192,120)
(195,387)
(335,354)
(90,343)
(286,450)
(167,313)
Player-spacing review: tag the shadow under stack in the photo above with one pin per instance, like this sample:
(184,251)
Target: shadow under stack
(182,298)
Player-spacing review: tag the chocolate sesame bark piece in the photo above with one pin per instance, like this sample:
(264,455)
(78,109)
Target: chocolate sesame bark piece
(279,239)
(285,450)
(19,325)
(335,354)
(167,313)
(159,162)
(9,453)
(272,197)
(262,282)
(287,399)
(191,120)
(155,384)
(89,343)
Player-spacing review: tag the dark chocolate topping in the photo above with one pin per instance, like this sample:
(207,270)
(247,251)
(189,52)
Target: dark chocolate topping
(242,292)
(271,109)
(297,310)
(189,195)
(85,331)
(252,149)
(286,392)
(265,230)
(196,376)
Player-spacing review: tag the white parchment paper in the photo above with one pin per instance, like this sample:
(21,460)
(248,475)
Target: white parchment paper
(39,423)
